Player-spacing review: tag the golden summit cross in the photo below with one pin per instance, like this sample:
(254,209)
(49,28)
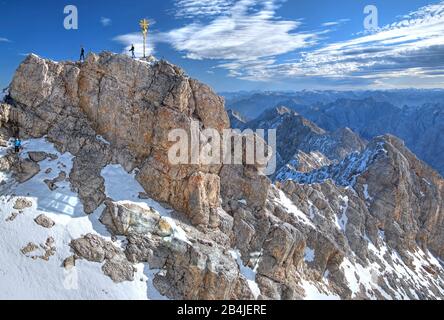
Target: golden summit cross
(144,25)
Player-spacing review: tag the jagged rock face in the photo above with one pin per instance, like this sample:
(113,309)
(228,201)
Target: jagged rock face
(95,249)
(407,197)
(403,196)
(198,268)
(133,105)
(296,134)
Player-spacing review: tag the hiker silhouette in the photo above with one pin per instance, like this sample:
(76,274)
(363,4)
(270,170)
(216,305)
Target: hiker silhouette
(82,54)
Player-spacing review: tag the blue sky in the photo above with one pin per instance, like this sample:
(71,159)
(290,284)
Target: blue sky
(245,44)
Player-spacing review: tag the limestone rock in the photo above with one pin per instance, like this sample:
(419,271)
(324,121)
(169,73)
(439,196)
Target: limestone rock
(44,221)
(125,218)
(25,170)
(22,203)
(13,216)
(52,184)
(244,183)
(93,248)
(30,247)
(143,102)
(69,263)
(37,156)
(164,228)
(118,270)
(282,246)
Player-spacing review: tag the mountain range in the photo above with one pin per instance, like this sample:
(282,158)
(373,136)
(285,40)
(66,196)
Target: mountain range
(91,207)
(419,123)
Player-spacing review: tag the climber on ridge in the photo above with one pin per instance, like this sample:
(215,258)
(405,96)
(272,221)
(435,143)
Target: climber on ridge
(82,54)
(132,51)
(17,145)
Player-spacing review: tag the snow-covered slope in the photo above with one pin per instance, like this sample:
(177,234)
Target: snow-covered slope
(25,277)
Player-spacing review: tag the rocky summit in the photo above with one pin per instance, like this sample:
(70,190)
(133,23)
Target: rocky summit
(92,202)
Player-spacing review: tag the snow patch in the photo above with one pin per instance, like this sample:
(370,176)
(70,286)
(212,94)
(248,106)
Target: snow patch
(313,293)
(291,207)
(343,220)
(248,273)
(366,194)
(309,255)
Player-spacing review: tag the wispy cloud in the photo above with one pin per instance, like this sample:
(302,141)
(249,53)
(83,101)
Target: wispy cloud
(4,40)
(105,21)
(408,51)
(335,23)
(250,40)
(201,8)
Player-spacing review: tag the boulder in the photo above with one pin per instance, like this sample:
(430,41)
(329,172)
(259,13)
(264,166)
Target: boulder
(22,203)
(93,248)
(44,221)
(37,156)
(25,170)
(119,270)
(125,218)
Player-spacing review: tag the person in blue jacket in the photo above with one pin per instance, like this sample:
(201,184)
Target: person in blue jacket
(17,145)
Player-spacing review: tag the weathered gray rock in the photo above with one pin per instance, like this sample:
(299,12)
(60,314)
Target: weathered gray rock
(283,249)
(119,270)
(69,263)
(25,170)
(143,102)
(93,248)
(44,221)
(244,183)
(22,203)
(125,218)
(37,156)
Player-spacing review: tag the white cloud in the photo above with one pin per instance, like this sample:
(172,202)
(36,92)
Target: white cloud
(105,21)
(4,40)
(244,32)
(248,30)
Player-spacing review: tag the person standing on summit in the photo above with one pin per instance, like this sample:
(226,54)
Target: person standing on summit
(132,51)
(82,54)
